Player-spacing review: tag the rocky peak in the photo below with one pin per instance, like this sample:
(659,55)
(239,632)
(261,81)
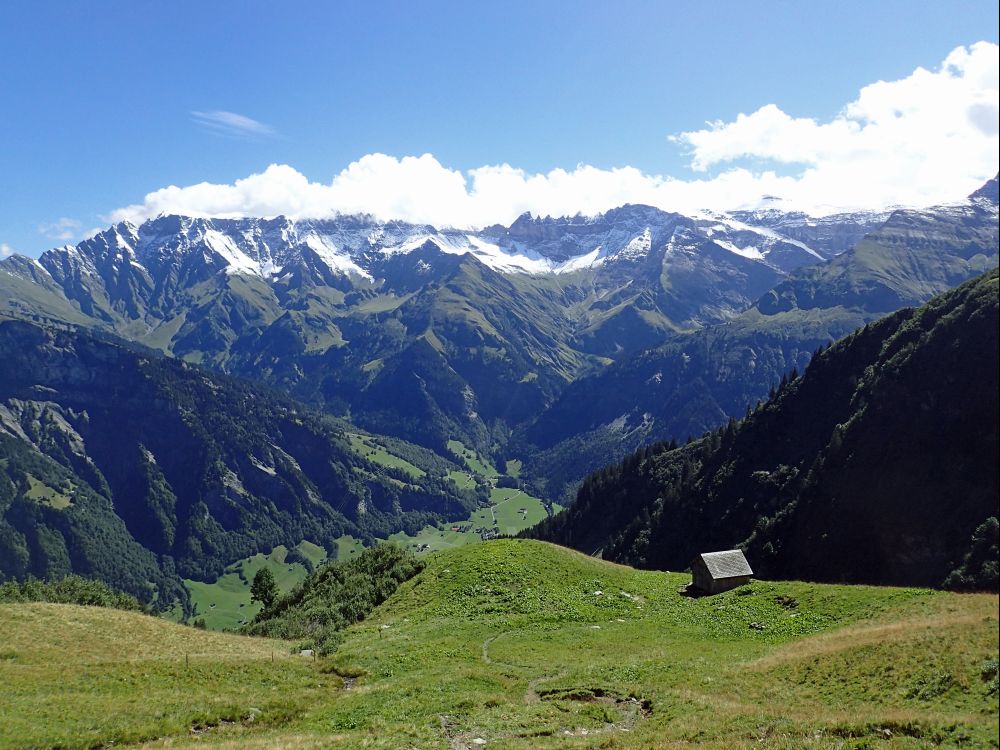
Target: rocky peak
(989,193)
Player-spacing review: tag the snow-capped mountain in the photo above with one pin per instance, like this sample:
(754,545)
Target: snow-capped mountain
(504,315)
(827,236)
(433,333)
(357,246)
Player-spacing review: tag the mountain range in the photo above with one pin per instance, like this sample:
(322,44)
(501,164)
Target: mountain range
(424,333)
(694,382)
(140,470)
(191,391)
(877,465)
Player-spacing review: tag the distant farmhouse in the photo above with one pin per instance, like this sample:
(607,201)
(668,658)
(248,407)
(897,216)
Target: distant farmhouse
(715,572)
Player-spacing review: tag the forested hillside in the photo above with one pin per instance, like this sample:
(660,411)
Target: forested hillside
(696,381)
(877,465)
(138,469)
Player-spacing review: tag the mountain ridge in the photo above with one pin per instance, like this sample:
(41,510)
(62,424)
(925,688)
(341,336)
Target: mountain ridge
(435,335)
(139,469)
(877,465)
(695,381)
(290,301)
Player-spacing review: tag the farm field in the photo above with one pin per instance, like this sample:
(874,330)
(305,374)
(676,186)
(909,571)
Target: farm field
(347,545)
(226,603)
(475,463)
(520,644)
(511,511)
(375,452)
(514,511)
(464,479)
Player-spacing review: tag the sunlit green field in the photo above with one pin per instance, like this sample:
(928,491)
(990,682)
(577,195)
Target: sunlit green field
(371,449)
(81,677)
(476,463)
(511,511)
(518,644)
(347,546)
(226,602)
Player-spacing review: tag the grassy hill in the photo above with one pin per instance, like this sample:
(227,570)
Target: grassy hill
(81,677)
(521,644)
(226,603)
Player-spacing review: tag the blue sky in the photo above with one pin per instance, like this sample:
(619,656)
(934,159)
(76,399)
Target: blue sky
(102,103)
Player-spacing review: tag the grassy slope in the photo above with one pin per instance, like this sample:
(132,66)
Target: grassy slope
(347,545)
(473,460)
(509,642)
(230,593)
(226,603)
(369,447)
(505,515)
(85,676)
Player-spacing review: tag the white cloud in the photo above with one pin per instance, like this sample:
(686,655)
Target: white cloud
(928,138)
(6,250)
(63,229)
(421,189)
(231,123)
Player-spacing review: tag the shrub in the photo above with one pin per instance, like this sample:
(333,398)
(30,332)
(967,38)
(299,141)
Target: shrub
(335,596)
(72,589)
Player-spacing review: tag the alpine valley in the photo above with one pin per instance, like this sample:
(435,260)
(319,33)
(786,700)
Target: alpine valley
(877,465)
(189,392)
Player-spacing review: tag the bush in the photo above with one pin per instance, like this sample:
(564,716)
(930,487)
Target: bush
(978,571)
(335,596)
(989,672)
(72,589)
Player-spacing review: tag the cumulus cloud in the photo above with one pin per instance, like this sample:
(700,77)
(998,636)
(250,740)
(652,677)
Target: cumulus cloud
(63,229)
(421,189)
(6,250)
(231,123)
(930,137)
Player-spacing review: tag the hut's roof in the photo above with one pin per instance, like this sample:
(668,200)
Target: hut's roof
(728,564)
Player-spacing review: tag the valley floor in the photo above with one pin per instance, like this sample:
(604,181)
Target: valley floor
(518,644)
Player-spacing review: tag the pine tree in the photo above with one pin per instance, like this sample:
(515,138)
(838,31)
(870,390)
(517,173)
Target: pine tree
(264,589)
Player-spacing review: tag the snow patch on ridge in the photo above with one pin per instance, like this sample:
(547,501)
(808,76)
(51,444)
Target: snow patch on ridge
(747,252)
(334,259)
(595,257)
(637,247)
(500,260)
(239,262)
(726,223)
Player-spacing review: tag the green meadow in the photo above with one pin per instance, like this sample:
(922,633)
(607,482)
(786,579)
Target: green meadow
(347,545)
(475,463)
(377,453)
(520,644)
(510,511)
(225,604)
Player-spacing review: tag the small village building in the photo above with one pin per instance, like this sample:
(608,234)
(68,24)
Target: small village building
(715,572)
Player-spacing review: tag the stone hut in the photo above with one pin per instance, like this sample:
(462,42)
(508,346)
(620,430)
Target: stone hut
(715,572)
